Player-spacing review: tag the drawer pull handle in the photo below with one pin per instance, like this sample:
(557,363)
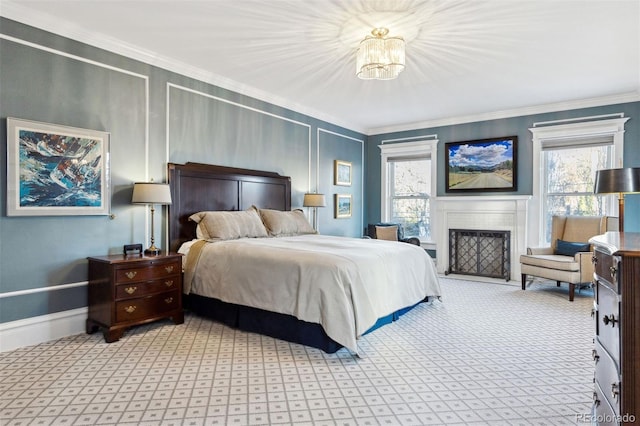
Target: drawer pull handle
(130,290)
(613,271)
(609,319)
(131,274)
(168,283)
(168,300)
(596,401)
(594,259)
(169,269)
(614,390)
(130,309)
(593,312)
(595,356)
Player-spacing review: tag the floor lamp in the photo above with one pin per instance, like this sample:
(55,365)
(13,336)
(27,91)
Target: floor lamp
(151,194)
(314,201)
(621,181)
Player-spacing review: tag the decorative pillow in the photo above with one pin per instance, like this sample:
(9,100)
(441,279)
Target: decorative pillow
(568,248)
(286,224)
(223,225)
(389,233)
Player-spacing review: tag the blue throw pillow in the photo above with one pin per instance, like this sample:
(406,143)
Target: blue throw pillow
(568,248)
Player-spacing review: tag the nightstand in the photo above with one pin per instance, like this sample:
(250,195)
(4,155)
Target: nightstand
(130,290)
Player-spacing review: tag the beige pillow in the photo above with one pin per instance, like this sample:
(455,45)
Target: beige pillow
(223,225)
(389,233)
(286,224)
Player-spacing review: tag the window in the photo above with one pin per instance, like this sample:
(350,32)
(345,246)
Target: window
(408,184)
(569,179)
(565,160)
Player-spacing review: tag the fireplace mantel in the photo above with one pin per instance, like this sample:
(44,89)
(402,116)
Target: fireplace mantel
(490,212)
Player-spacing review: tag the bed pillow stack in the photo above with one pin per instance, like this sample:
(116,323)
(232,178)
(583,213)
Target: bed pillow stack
(229,225)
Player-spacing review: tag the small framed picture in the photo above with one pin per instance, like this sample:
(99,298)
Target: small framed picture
(55,170)
(342,205)
(342,173)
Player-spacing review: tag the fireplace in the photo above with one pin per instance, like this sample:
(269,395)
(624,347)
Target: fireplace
(480,252)
(481,213)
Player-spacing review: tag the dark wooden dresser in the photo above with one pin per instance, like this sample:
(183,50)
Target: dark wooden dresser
(129,290)
(616,398)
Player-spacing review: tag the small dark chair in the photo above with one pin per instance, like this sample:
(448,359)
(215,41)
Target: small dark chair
(372,229)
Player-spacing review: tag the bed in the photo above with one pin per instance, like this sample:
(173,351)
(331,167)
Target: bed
(289,283)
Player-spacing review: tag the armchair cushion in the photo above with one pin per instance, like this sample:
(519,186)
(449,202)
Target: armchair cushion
(568,248)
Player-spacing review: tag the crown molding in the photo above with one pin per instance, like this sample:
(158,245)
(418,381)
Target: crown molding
(43,21)
(516,112)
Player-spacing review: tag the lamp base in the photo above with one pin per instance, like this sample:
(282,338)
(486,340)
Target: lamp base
(152,251)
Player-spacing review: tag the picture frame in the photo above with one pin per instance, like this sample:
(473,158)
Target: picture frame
(484,165)
(342,204)
(342,173)
(55,170)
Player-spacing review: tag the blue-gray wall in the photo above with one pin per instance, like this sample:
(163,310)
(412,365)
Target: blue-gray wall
(507,127)
(153,116)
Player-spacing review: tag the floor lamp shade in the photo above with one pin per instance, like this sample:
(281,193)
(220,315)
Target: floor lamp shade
(621,181)
(151,194)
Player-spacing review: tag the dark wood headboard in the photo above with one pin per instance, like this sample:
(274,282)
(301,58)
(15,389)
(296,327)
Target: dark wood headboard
(199,187)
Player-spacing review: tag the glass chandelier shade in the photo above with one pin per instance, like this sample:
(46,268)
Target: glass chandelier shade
(380,57)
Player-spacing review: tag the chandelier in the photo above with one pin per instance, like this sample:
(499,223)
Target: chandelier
(380,57)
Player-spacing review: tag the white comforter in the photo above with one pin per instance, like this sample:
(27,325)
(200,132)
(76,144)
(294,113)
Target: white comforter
(344,284)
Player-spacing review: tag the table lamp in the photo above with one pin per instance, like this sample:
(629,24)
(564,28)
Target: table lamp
(621,181)
(151,194)
(314,201)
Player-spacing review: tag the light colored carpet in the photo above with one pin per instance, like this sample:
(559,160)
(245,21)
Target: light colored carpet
(490,354)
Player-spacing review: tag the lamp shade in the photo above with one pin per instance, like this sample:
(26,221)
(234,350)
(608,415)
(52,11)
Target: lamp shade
(623,180)
(314,200)
(151,193)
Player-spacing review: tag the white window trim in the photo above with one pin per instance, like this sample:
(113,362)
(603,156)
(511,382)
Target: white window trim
(421,148)
(560,133)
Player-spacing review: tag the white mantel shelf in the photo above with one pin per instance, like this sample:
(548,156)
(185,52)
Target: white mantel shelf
(482,212)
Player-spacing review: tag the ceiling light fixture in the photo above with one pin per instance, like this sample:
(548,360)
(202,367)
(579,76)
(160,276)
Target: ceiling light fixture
(380,57)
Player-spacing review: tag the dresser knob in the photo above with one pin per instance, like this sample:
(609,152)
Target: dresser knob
(613,271)
(595,356)
(130,309)
(614,390)
(594,259)
(168,283)
(130,290)
(596,401)
(168,300)
(131,274)
(169,269)
(609,319)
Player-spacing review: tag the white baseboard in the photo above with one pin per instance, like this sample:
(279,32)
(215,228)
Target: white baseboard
(35,330)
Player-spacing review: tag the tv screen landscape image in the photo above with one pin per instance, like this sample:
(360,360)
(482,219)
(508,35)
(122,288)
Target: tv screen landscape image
(482,165)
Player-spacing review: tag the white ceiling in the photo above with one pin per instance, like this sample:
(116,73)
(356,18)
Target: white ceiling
(466,59)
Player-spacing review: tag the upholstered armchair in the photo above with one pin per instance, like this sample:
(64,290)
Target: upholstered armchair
(568,259)
(390,231)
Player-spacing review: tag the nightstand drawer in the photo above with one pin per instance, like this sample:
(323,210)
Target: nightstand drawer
(139,289)
(607,376)
(608,317)
(149,271)
(606,268)
(144,307)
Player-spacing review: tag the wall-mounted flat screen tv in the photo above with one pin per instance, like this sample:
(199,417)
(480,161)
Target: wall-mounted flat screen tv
(484,165)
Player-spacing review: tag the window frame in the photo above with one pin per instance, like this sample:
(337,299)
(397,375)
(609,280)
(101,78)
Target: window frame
(419,149)
(567,135)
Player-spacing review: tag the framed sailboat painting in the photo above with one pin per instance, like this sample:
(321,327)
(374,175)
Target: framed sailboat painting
(56,170)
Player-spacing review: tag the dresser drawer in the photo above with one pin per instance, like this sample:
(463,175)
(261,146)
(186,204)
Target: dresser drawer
(608,320)
(147,271)
(145,307)
(145,288)
(606,267)
(607,376)
(603,412)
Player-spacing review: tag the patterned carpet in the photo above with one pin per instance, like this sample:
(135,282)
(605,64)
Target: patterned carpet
(488,354)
